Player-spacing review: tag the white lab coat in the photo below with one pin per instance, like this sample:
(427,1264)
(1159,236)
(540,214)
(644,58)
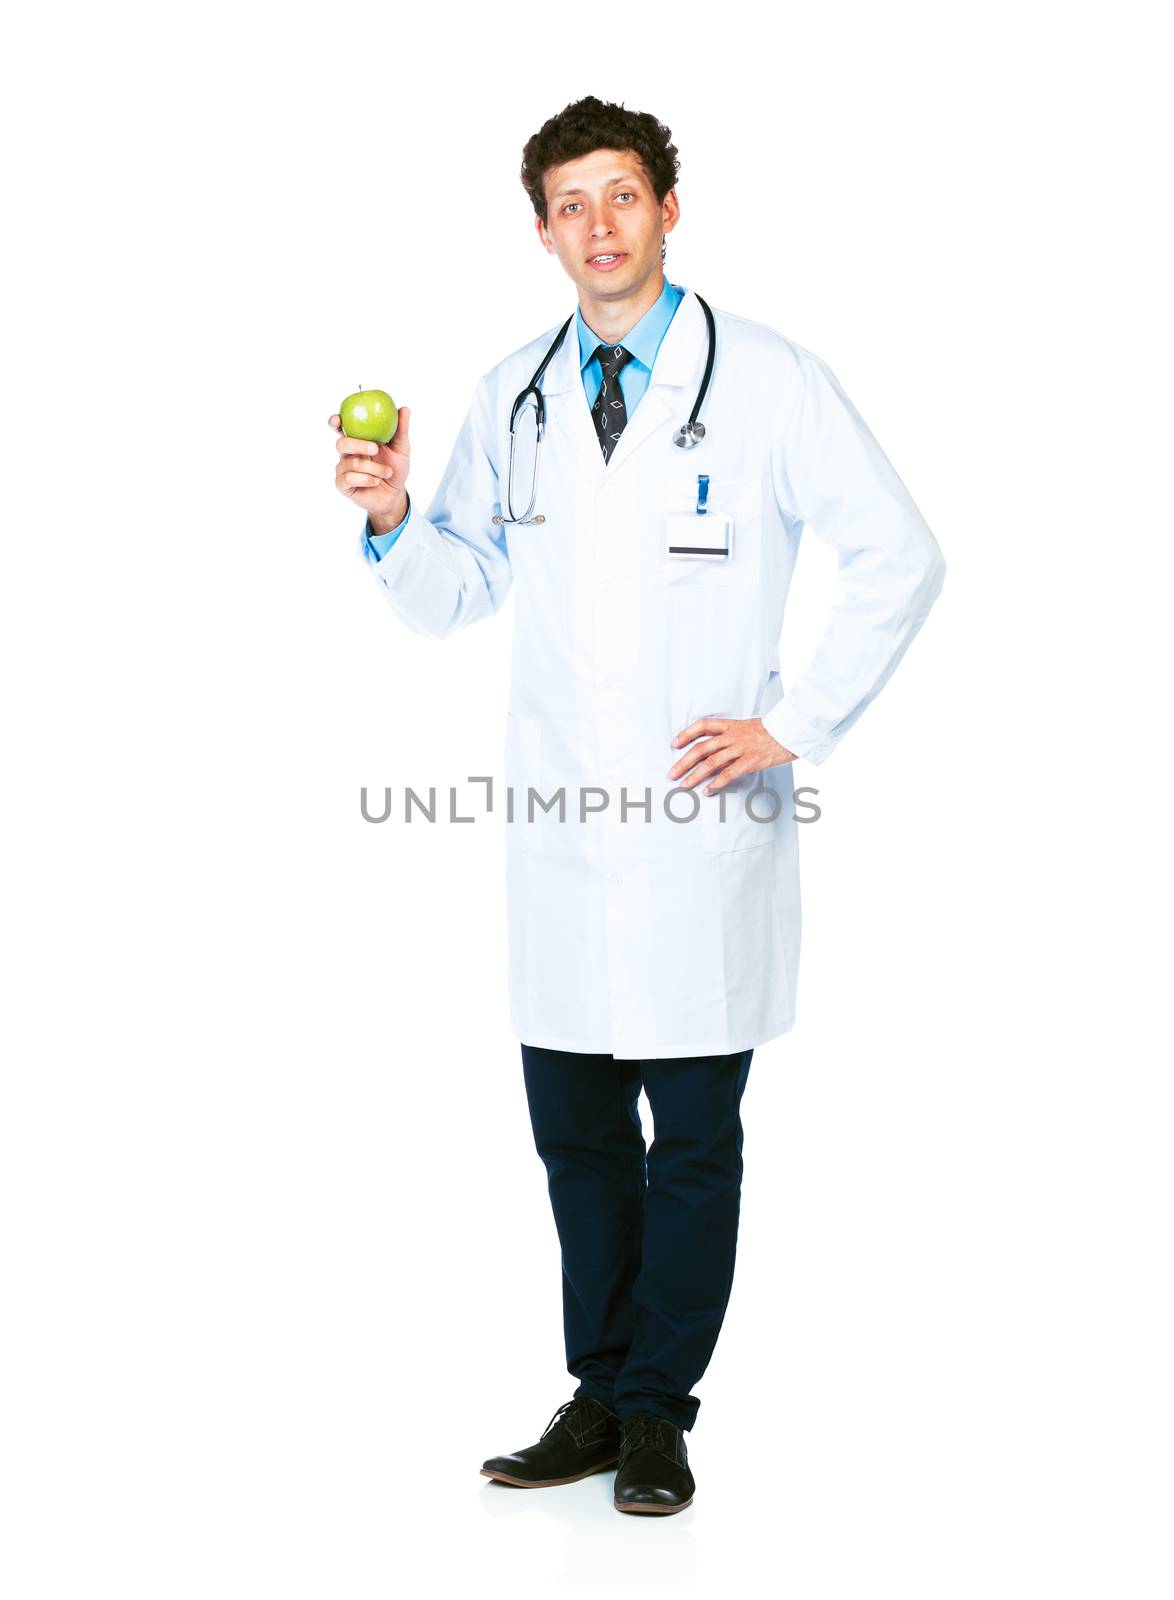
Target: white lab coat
(632,934)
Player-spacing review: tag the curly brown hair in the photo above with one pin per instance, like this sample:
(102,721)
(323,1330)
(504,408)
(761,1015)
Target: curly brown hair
(590,124)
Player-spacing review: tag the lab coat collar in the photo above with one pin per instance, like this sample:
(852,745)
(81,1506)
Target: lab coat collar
(679,364)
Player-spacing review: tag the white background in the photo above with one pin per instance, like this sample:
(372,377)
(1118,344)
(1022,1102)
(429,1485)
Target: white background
(278,1260)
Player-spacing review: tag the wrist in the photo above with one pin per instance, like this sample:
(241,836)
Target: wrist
(385,521)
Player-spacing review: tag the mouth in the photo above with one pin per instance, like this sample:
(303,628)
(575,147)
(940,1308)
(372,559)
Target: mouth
(605,261)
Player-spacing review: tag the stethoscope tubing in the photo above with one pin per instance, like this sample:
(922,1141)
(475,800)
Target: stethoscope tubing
(689,434)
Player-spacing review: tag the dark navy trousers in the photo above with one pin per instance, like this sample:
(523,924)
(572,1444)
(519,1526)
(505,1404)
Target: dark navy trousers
(648,1235)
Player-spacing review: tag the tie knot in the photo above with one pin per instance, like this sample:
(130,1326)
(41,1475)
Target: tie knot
(612,358)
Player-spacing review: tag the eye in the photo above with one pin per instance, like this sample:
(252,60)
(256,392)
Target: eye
(566,208)
(625,192)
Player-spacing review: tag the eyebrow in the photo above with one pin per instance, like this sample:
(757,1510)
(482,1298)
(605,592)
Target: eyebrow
(624,177)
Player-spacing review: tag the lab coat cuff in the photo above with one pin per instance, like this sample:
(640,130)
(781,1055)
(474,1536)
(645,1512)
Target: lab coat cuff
(795,735)
(385,563)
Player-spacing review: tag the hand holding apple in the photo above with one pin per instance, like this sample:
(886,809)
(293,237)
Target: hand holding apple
(373,471)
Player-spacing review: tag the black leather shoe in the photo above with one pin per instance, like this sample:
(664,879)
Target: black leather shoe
(654,1466)
(582,1437)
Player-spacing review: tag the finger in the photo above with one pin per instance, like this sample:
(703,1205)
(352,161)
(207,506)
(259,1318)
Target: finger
(373,469)
(702,725)
(335,422)
(360,480)
(699,753)
(355,447)
(400,436)
(711,764)
(737,770)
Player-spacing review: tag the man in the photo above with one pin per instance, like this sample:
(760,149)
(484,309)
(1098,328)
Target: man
(648,948)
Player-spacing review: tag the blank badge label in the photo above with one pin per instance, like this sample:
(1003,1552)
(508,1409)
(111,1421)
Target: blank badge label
(689,537)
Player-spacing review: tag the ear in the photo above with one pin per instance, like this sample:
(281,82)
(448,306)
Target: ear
(547,241)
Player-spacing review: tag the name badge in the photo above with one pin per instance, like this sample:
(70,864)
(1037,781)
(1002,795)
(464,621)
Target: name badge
(708,537)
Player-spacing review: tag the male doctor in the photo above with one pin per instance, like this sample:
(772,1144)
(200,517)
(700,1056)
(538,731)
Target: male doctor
(651,844)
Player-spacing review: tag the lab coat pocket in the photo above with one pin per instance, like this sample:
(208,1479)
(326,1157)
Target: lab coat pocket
(523,772)
(738,498)
(757,807)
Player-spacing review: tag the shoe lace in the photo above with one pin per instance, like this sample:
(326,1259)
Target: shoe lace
(575,1403)
(642,1429)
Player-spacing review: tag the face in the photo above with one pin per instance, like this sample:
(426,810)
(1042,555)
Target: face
(603,204)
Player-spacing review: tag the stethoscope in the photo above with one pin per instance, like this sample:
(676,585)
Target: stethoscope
(687,435)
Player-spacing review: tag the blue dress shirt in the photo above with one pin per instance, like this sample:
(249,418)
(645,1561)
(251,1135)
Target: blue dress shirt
(643,341)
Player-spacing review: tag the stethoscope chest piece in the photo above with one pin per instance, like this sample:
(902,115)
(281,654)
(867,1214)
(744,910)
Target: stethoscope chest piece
(689,434)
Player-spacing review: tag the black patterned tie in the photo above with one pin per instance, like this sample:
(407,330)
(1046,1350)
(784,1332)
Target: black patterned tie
(608,413)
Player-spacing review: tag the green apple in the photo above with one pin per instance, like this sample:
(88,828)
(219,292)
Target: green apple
(369,414)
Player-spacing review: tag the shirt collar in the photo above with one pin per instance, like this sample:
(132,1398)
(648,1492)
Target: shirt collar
(644,339)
